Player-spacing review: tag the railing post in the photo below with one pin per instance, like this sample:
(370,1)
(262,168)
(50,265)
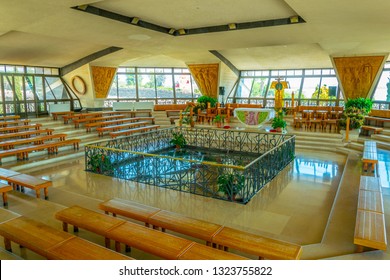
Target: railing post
(347,129)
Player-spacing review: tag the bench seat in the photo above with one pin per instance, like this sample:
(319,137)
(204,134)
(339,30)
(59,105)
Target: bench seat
(370,157)
(10,144)
(370,230)
(374,129)
(151,241)
(117,127)
(52,243)
(26,134)
(31,182)
(130,131)
(209,232)
(89,126)
(263,247)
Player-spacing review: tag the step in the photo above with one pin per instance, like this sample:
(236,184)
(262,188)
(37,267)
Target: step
(382,138)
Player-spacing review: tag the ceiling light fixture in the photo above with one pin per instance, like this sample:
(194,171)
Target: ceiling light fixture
(82,7)
(232,26)
(172,31)
(182,31)
(294,19)
(135,20)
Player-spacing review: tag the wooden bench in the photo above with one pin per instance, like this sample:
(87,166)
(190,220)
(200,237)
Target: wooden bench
(211,233)
(10,129)
(4,188)
(173,115)
(89,126)
(51,147)
(133,130)
(21,181)
(55,115)
(370,229)
(366,129)
(370,156)
(27,133)
(117,127)
(151,241)
(52,243)
(96,119)
(5,118)
(36,140)
(378,121)
(15,122)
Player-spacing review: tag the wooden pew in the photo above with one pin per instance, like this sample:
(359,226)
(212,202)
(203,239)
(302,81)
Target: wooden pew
(212,233)
(6,145)
(52,243)
(117,127)
(55,115)
(5,118)
(14,122)
(4,188)
(10,129)
(366,129)
(105,123)
(154,242)
(28,181)
(133,130)
(96,119)
(370,229)
(26,134)
(51,147)
(370,156)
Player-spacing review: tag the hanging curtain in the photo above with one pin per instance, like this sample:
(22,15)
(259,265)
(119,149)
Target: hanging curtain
(206,77)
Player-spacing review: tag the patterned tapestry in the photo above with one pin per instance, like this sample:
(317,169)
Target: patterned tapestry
(102,79)
(206,77)
(357,75)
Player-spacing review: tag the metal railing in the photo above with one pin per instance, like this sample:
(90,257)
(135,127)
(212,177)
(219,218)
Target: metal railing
(136,158)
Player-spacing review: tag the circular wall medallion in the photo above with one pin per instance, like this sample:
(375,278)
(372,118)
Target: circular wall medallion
(79,85)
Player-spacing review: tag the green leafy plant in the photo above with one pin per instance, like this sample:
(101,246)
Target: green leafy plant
(206,99)
(100,162)
(231,183)
(218,119)
(278,122)
(178,140)
(355,109)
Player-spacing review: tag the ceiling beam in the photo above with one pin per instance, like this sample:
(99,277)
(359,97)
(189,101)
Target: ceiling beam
(227,62)
(190,31)
(74,65)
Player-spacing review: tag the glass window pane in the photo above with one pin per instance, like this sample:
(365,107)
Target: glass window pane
(310,88)
(244,88)
(382,91)
(127,86)
(56,88)
(195,90)
(164,86)
(39,88)
(113,93)
(259,87)
(8,89)
(146,86)
(183,87)
(29,86)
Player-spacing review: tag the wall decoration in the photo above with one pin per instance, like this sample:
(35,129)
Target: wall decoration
(206,77)
(102,80)
(78,85)
(357,75)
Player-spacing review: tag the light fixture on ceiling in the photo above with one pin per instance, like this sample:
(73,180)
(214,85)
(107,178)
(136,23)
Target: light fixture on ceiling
(232,26)
(172,31)
(294,19)
(182,31)
(82,7)
(135,20)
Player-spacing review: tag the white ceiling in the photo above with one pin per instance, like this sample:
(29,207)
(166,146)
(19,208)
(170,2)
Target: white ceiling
(50,33)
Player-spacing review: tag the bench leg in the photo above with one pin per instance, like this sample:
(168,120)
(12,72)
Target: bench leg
(107,242)
(117,246)
(5,199)
(359,248)
(7,244)
(46,193)
(65,226)
(37,193)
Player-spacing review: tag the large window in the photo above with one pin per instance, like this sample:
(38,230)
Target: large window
(309,86)
(159,85)
(381,95)
(29,90)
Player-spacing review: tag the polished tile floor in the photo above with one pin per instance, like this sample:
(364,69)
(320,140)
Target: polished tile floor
(312,202)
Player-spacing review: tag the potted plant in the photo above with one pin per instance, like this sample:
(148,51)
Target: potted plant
(278,123)
(100,163)
(188,120)
(178,140)
(206,99)
(356,110)
(230,184)
(218,119)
